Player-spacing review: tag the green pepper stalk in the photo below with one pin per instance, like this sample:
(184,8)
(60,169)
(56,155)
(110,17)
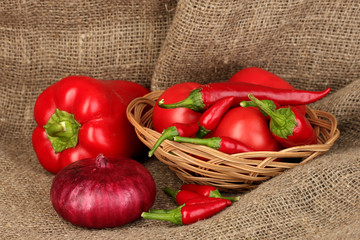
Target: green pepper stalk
(288,125)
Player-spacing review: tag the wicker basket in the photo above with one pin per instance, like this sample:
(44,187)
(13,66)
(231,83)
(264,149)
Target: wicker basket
(236,172)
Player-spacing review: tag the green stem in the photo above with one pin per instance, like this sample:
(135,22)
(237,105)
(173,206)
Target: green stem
(62,130)
(170,192)
(173,215)
(193,102)
(217,194)
(269,103)
(213,142)
(168,134)
(278,119)
(202,132)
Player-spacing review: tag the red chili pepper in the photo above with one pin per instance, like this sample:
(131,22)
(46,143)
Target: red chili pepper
(190,212)
(164,118)
(223,144)
(288,125)
(184,195)
(206,191)
(178,129)
(79,117)
(203,97)
(212,116)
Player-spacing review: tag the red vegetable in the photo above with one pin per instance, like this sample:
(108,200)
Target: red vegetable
(178,129)
(190,212)
(262,77)
(184,195)
(203,97)
(206,191)
(249,126)
(79,117)
(288,125)
(223,144)
(212,116)
(101,193)
(164,118)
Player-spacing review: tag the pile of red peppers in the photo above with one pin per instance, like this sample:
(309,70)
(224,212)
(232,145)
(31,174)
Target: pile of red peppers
(196,202)
(255,110)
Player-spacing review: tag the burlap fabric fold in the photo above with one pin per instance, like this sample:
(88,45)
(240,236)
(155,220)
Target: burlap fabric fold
(311,44)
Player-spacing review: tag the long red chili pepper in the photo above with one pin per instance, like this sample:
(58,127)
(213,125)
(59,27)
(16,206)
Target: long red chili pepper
(184,195)
(288,125)
(203,97)
(190,212)
(223,144)
(206,191)
(178,129)
(212,116)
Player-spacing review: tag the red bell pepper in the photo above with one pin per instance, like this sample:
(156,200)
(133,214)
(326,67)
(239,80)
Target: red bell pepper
(190,212)
(288,125)
(178,129)
(223,144)
(212,116)
(203,97)
(262,77)
(80,117)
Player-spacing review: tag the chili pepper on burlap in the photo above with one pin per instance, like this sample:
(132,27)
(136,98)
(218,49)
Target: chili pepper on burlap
(206,191)
(178,129)
(212,116)
(184,195)
(190,212)
(203,97)
(288,125)
(222,143)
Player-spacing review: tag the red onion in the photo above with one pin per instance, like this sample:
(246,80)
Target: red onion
(101,193)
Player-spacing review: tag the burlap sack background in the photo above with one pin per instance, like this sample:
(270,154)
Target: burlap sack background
(159,43)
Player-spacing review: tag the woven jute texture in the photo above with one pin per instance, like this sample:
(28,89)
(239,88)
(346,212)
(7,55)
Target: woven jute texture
(311,44)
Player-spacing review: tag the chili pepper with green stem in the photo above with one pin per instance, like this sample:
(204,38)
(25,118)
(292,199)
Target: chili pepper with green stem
(203,97)
(288,125)
(212,116)
(223,144)
(190,212)
(178,129)
(182,196)
(206,191)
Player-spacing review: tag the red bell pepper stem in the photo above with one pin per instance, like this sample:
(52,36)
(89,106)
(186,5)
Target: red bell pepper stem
(62,130)
(203,97)
(271,104)
(288,125)
(178,129)
(223,144)
(190,212)
(206,191)
(212,116)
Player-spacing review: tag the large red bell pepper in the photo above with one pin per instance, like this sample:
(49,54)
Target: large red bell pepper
(80,117)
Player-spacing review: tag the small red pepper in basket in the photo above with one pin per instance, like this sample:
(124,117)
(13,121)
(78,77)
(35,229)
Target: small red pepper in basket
(288,125)
(190,212)
(184,195)
(223,144)
(203,97)
(212,116)
(178,129)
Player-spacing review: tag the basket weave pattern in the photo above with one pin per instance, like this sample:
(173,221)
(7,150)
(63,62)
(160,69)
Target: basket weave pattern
(235,172)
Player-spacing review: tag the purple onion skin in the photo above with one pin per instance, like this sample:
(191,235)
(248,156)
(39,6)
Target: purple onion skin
(100,193)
